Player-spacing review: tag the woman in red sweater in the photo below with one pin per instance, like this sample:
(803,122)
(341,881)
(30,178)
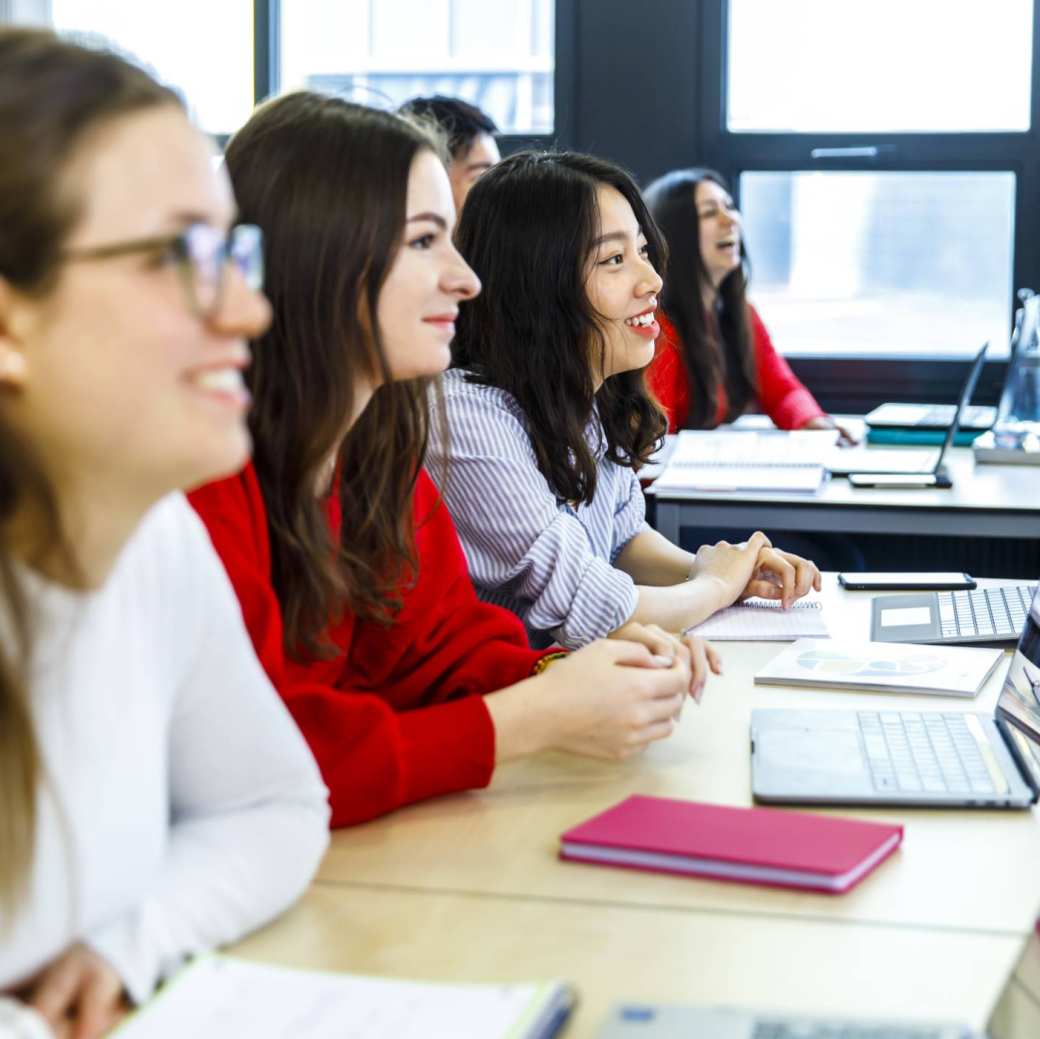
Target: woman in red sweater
(351,579)
(714,357)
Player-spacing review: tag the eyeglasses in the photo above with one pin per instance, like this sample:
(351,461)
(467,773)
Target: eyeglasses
(202,255)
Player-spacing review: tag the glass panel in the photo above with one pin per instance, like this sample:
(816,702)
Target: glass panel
(498,56)
(213,69)
(881,262)
(879,65)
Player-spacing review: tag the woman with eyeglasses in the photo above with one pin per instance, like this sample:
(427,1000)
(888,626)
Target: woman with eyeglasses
(155,798)
(714,358)
(549,419)
(350,575)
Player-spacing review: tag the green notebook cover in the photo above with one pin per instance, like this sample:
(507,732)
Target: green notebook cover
(963,438)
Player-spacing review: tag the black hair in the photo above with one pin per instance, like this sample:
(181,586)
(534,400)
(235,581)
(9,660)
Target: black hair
(528,230)
(716,348)
(461,122)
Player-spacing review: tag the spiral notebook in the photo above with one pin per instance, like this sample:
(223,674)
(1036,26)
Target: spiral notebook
(764,620)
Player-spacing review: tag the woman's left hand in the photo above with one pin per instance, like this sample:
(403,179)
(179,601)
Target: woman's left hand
(847,436)
(703,658)
(782,575)
(79,995)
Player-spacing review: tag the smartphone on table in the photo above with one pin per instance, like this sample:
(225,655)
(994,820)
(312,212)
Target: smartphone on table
(877,581)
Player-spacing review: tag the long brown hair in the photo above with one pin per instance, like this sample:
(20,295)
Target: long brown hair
(716,348)
(327,180)
(527,230)
(52,94)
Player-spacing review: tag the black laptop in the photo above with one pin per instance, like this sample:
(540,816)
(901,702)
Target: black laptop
(912,468)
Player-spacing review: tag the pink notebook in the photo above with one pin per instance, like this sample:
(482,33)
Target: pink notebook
(753,845)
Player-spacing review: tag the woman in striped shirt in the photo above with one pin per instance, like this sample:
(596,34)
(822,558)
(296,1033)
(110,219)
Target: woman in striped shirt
(548,417)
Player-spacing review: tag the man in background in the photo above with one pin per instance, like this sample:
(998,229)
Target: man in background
(469,134)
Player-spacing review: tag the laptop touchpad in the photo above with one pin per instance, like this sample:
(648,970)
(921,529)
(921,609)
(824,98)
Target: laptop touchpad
(833,751)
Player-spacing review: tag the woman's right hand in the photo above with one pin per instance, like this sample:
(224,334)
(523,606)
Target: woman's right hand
(612,699)
(729,567)
(79,994)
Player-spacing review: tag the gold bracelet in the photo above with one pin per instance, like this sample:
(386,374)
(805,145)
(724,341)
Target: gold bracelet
(543,662)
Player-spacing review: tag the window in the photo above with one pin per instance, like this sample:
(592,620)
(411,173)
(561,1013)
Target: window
(888,66)
(499,56)
(884,155)
(213,69)
(908,263)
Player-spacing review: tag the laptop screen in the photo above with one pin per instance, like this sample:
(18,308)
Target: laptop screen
(1020,697)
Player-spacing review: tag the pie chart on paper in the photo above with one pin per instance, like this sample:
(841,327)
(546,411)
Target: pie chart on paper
(835,662)
(849,664)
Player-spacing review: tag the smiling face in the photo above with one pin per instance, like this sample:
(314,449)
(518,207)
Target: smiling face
(622,286)
(110,374)
(719,231)
(420,298)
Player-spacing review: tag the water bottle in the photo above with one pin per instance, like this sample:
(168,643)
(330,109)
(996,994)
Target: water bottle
(1018,414)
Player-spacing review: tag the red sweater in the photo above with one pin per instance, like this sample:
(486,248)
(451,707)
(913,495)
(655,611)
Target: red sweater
(395,714)
(780,395)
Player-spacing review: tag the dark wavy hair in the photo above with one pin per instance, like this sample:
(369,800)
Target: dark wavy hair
(53,96)
(528,230)
(716,348)
(327,180)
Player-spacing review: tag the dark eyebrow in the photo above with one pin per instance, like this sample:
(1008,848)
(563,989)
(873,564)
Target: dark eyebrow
(614,236)
(432,217)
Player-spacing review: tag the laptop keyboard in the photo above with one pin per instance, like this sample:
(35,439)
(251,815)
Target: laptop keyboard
(923,753)
(997,613)
(840,1030)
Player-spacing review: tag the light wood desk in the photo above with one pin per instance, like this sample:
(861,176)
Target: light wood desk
(1018,1011)
(614,953)
(993,501)
(962,871)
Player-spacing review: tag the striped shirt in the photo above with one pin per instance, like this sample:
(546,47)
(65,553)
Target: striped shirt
(548,562)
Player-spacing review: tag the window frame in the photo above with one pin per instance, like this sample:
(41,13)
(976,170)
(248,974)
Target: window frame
(267,22)
(857,380)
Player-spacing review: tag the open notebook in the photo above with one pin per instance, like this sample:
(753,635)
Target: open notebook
(220,997)
(748,460)
(764,620)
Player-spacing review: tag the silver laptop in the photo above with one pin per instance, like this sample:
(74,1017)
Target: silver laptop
(651,1021)
(843,461)
(956,759)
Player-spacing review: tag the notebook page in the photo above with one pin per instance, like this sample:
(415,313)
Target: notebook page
(763,620)
(220,997)
(696,447)
(805,479)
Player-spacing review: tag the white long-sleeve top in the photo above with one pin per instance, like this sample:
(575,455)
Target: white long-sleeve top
(542,558)
(180,807)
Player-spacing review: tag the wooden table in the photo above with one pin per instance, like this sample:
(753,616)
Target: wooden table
(616,952)
(961,870)
(469,887)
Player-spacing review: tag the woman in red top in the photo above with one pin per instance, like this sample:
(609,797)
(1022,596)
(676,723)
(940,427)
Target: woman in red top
(351,579)
(714,358)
